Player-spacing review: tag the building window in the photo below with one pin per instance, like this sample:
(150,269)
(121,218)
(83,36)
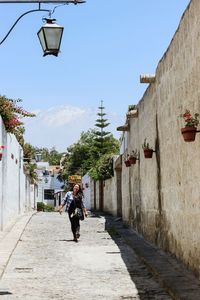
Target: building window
(48,194)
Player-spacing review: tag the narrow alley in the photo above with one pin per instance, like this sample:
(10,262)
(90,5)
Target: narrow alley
(47,264)
(109,125)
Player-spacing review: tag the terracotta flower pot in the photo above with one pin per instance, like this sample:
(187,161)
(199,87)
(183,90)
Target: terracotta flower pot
(148,153)
(189,133)
(127,163)
(132,160)
(1,156)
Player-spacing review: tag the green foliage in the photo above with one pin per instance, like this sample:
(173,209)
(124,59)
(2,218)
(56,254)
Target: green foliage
(80,155)
(29,166)
(145,145)
(103,169)
(84,156)
(48,208)
(44,207)
(30,170)
(51,156)
(29,152)
(102,136)
(190,121)
(92,153)
(132,107)
(40,206)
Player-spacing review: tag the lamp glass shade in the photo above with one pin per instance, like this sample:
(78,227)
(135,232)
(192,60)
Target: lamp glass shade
(50,36)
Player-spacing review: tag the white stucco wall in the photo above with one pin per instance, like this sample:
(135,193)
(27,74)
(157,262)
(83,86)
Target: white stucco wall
(14,192)
(110,197)
(86,184)
(11,178)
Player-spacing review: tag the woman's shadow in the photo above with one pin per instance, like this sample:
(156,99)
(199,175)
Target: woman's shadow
(64,240)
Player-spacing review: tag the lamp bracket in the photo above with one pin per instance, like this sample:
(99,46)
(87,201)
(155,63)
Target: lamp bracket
(36,10)
(27,12)
(44,1)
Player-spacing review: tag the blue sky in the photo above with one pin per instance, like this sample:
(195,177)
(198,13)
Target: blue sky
(106,45)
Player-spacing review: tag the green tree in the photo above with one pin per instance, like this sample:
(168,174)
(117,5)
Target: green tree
(101,136)
(29,152)
(106,146)
(30,170)
(80,155)
(52,156)
(103,168)
(93,152)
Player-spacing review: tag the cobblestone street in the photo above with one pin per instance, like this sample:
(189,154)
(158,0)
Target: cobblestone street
(100,125)
(47,264)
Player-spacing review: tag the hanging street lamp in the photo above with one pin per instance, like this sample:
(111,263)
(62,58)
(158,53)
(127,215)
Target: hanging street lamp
(50,36)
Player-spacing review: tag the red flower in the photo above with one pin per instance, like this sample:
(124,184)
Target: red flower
(191,121)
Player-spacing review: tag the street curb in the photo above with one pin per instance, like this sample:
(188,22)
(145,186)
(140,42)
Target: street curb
(178,281)
(10,240)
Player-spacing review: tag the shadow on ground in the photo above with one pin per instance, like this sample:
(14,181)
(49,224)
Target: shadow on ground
(3,293)
(147,286)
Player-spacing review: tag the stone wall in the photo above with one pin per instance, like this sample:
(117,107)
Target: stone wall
(161,195)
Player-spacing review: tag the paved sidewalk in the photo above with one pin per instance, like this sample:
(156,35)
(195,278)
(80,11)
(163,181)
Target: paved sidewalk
(10,237)
(179,282)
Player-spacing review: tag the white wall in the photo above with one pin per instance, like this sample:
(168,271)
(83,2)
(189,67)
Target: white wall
(86,184)
(110,197)
(14,188)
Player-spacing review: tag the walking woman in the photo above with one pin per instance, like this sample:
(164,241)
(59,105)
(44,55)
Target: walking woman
(73,200)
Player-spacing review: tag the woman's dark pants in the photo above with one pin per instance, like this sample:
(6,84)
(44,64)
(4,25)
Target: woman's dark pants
(75,226)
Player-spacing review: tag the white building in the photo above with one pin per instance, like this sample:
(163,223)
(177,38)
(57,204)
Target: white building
(49,187)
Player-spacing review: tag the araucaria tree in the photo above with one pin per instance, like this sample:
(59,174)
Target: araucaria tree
(105,145)
(102,136)
(93,152)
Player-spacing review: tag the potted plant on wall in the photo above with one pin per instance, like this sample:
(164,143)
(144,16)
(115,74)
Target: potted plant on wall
(191,123)
(148,151)
(1,153)
(133,157)
(127,160)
